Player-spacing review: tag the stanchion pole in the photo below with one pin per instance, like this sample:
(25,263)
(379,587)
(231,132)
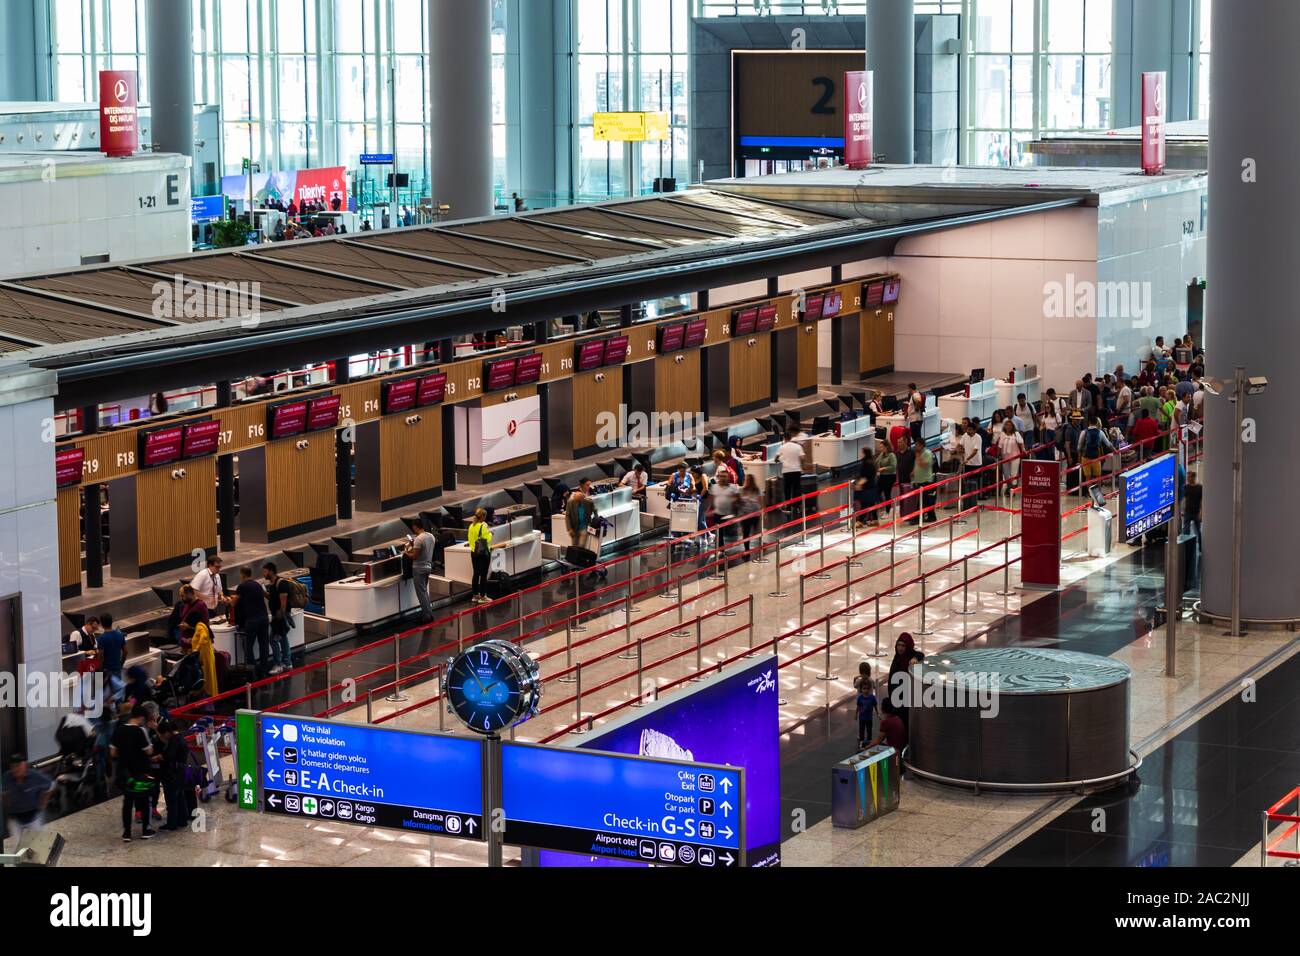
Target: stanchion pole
(802,603)
(750,652)
(370,707)
(849,613)
(1006,568)
(876,653)
(920,551)
(577,703)
(828,675)
(726,589)
(699,649)
(979,523)
(961,488)
(566,677)
(965,587)
(640,691)
(442,703)
(778,593)
(577,603)
(923,631)
(329,683)
(681,625)
(519,615)
(397,697)
(627,654)
(892,542)
(762,537)
(950,542)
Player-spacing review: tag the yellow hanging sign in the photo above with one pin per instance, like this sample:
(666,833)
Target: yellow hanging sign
(630,127)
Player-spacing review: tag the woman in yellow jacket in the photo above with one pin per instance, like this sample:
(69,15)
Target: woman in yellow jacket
(480,555)
(201,642)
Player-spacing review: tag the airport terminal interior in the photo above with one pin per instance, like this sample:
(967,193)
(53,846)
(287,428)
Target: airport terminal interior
(648,433)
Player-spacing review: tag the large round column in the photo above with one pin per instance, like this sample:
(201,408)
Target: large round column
(891,57)
(170,47)
(460,105)
(1251,312)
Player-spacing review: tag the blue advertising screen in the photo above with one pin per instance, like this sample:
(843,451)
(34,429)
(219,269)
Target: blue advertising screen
(730,719)
(371,776)
(1147,495)
(622,807)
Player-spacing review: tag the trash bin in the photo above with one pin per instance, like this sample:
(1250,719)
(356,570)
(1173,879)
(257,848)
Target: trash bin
(1100,535)
(864,787)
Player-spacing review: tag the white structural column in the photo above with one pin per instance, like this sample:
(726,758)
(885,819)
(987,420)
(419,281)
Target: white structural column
(891,56)
(1250,313)
(460,105)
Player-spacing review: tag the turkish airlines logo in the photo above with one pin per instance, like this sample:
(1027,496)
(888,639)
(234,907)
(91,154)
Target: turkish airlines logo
(862,97)
(121,91)
(512,428)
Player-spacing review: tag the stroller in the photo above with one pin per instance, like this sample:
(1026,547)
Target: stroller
(80,778)
(183,683)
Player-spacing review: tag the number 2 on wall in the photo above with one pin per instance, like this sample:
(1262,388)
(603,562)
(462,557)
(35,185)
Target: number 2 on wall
(822,107)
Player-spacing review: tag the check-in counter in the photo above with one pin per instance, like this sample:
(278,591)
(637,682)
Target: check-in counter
(1024,379)
(764,465)
(978,400)
(843,446)
(375,590)
(618,507)
(516,549)
(225,638)
(139,653)
(929,422)
(656,499)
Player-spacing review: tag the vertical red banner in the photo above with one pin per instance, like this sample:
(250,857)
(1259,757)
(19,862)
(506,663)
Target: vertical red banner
(119,126)
(1154,111)
(857,119)
(1040,523)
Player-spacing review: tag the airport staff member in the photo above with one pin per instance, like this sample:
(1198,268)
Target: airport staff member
(208,586)
(420,545)
(635,479)
(790,455)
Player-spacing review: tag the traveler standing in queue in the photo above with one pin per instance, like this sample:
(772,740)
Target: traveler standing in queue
(195,630)
(897,697)
(1093,445)
(791,457)
(279,597)
(253,618)
(112,655)
(734,460)
(886,470)
(865,493)
(480,555)
(132,755)
(1011,448)
(208,586)
(175,755)
(750,506)
(723,500)
(420,545)
(923,479)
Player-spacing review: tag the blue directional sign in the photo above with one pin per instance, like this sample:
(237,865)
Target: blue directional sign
(668,812)
(371,776)
(207,208)
(1147,495)
(376,159)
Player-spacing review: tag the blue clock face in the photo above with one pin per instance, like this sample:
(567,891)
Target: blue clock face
(483,689)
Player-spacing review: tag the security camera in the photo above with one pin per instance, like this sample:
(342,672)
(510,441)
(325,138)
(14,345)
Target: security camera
(303,445)
(752,342)
(1256,384)
(679,359)
(178,473)
(600,376)
(414,419)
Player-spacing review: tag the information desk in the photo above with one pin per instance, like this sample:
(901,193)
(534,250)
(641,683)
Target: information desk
(516,549)
(978,400)
(225,638)
(831,451)
(618,507)
(1023,379)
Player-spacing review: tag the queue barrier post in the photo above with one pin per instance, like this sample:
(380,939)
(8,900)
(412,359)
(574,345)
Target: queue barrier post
(923,631)
(682,630)
(778,593)
(849,613)
(370,707)
(1006,568)
(329,683)
(577,701)
(627,654)
(965,587)
(876,652)
(397,697)
(640,688)
(578,626)
(750,652)
(248,696)
(827,675)
(726,587)
(762,537)
(566,677)
(699,649)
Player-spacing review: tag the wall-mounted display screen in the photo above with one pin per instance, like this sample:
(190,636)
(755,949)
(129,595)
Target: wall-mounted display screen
(616,350)
(323,413)
(400,396)
(873,296)
(812,308)
(671,337)
(201,439)
(68,463)
(590,355)
(766,318)
(433,389)
(287,419)
(893,287)
(696,330)
(500,374)
(161,446)
(832,305)
(529,370)
(744,322)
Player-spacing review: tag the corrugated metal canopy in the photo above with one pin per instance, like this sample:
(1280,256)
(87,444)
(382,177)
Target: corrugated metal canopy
(33,320)
(367,262)
(574,246)
(119,288)
(630,226)
(279,283)
(464,250)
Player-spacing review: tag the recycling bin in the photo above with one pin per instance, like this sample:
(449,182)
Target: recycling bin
(864,787)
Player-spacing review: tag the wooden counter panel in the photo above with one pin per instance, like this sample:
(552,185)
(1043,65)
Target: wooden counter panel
(176,516)
(300,482)
(69,509)
(751,369)
(410,455)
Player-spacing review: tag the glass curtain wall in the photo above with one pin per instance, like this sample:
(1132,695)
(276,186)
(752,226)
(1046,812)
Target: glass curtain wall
(1202,74)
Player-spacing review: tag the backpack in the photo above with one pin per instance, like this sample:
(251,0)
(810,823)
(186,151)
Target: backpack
(299,596)
(1092,443)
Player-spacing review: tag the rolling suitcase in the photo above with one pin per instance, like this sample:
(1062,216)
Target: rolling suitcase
(580,557)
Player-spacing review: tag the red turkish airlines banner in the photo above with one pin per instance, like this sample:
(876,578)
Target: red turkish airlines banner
(1154,111)
(119,125)
(857,119)
(321,185)
(1040,523)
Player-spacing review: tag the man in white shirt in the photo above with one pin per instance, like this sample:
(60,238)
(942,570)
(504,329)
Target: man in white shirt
(790,455)
(1124,401)
(972,458)
(635,479)
(208,585)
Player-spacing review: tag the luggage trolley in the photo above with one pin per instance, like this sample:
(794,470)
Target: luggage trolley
(211,737)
